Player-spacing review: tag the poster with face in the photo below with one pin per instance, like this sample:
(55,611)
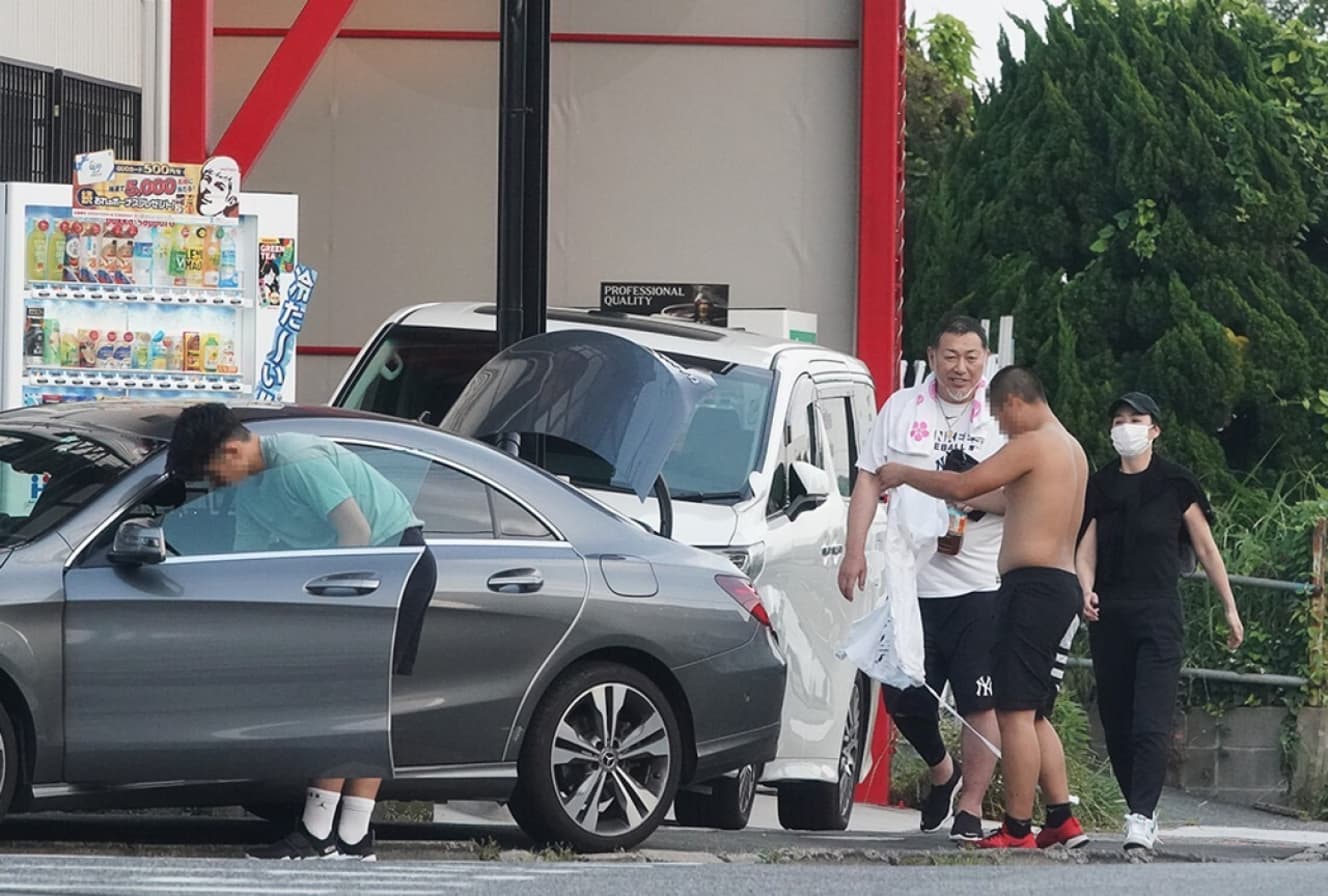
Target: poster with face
(219,188)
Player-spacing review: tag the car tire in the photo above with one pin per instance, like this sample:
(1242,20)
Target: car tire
(819,806)
(10,761)
(593,786)
(728,805)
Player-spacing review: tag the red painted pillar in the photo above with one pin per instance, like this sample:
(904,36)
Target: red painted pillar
(881,191)
(191,79)
(881,257)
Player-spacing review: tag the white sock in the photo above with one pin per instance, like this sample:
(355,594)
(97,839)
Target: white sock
(320,807)
(355,814)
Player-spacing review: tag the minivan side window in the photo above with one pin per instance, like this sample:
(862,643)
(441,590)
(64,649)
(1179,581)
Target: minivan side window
(842,458)
(801,443)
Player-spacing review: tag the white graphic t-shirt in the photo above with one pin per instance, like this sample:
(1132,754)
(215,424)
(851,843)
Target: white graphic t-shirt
(917,428)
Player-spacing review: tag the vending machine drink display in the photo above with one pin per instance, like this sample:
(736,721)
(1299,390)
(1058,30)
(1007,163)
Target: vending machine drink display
(134,303)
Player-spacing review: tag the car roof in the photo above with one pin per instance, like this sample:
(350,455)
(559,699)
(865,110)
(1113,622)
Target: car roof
(154,419)
(655,331)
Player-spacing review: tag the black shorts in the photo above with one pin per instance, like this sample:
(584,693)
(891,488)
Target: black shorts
(1037,612)
(957,636)
(415,601)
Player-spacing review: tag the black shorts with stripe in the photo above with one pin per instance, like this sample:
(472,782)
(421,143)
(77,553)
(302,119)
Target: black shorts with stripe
(1037,614)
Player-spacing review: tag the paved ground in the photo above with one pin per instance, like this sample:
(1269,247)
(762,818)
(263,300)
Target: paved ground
(1193,830)
(83,876)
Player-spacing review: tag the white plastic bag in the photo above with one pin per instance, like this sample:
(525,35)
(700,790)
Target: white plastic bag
(887,643)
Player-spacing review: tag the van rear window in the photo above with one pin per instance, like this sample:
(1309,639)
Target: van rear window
(415,371)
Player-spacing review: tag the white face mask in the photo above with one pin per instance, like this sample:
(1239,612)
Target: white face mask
(1130,439)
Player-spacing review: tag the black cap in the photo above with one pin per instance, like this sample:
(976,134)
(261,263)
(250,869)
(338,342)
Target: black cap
(1138,402)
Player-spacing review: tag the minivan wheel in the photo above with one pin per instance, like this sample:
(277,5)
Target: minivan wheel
(600,764)
(9,762)
(819,806)
(727,806)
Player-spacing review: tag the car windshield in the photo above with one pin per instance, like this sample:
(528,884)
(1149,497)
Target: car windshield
(415,371)
(46,475)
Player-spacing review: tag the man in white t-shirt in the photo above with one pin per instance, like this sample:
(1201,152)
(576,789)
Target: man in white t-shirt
(943,423)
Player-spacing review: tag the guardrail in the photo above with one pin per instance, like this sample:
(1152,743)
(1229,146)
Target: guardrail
(1316,685)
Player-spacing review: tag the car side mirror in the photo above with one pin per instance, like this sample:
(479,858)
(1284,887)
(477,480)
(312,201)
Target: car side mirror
(138,542)
(809,487)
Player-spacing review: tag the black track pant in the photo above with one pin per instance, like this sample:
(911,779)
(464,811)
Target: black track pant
(1138,646)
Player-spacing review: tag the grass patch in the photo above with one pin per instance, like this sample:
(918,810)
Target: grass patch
(488,850)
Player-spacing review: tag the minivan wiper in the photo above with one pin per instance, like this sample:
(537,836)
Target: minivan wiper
(693,495)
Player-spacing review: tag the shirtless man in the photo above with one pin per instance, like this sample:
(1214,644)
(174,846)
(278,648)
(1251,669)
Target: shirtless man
(1044,473)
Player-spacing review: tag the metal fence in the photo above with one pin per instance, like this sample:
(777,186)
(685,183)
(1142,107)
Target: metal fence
(48,116)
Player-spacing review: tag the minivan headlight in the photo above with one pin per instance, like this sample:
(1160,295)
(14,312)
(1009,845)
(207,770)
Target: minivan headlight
(749,559)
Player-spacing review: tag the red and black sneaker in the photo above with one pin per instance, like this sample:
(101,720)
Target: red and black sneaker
(1069,832)
(1003,839)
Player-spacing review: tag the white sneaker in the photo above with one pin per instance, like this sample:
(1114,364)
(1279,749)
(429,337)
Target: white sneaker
(1140,831)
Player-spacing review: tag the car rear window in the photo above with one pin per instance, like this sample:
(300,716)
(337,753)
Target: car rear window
(417,371)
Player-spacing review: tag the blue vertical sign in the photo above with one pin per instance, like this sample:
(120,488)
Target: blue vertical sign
(289,323)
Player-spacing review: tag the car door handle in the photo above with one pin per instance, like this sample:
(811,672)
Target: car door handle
(516,581)
(344,584)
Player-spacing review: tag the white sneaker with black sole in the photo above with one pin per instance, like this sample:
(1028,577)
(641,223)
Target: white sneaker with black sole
(1140,832)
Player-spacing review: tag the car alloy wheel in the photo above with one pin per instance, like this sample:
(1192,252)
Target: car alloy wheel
(610,759)
(601,760)
(823,805)
(727,805)
(849,749)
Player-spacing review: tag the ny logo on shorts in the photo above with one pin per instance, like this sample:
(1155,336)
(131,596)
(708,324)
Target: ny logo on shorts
(984,686)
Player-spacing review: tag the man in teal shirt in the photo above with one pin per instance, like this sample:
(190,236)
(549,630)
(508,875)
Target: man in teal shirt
(305,492)
(302,492)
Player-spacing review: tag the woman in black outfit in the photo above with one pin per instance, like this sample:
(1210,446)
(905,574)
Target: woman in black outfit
(1141,515)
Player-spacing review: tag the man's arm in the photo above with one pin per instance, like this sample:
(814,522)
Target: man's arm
(1002,468)
(352,528)
(992,502)
(861,512)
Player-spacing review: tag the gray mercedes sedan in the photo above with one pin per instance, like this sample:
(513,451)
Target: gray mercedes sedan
(572,663)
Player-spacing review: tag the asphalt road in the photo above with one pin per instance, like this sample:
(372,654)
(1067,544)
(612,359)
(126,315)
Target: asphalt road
(110,876)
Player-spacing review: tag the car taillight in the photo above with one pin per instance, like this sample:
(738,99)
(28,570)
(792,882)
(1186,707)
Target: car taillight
(745,594)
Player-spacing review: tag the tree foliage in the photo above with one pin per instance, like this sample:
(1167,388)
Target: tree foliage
(1145,192)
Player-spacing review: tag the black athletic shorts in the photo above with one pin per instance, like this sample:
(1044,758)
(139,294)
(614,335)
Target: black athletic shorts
(957,635)
(414,602)
(1037,611)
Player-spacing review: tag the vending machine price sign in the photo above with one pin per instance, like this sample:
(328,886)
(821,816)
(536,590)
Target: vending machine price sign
(105,185)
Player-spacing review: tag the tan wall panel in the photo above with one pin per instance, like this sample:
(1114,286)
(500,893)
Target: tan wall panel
(711,164)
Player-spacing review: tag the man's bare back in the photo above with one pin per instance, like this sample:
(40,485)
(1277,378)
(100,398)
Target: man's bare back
(1045,505)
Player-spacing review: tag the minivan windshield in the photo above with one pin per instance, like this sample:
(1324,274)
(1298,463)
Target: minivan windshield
(419,372)
(47,475)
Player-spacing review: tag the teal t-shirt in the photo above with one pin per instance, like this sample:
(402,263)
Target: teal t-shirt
(305,479)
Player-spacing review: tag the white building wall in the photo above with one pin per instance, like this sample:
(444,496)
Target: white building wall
(717,164)
(97,38)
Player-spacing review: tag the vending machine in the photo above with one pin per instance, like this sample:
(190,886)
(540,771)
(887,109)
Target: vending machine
(135,299)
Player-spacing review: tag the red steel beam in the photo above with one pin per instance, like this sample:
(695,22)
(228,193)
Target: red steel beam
(282,80)
(881,192)
(191,79)
(568,37)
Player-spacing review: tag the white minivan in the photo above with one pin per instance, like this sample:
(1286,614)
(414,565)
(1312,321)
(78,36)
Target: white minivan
(762,475)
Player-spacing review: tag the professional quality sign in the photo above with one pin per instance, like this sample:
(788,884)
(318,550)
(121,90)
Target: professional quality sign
(706,303)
